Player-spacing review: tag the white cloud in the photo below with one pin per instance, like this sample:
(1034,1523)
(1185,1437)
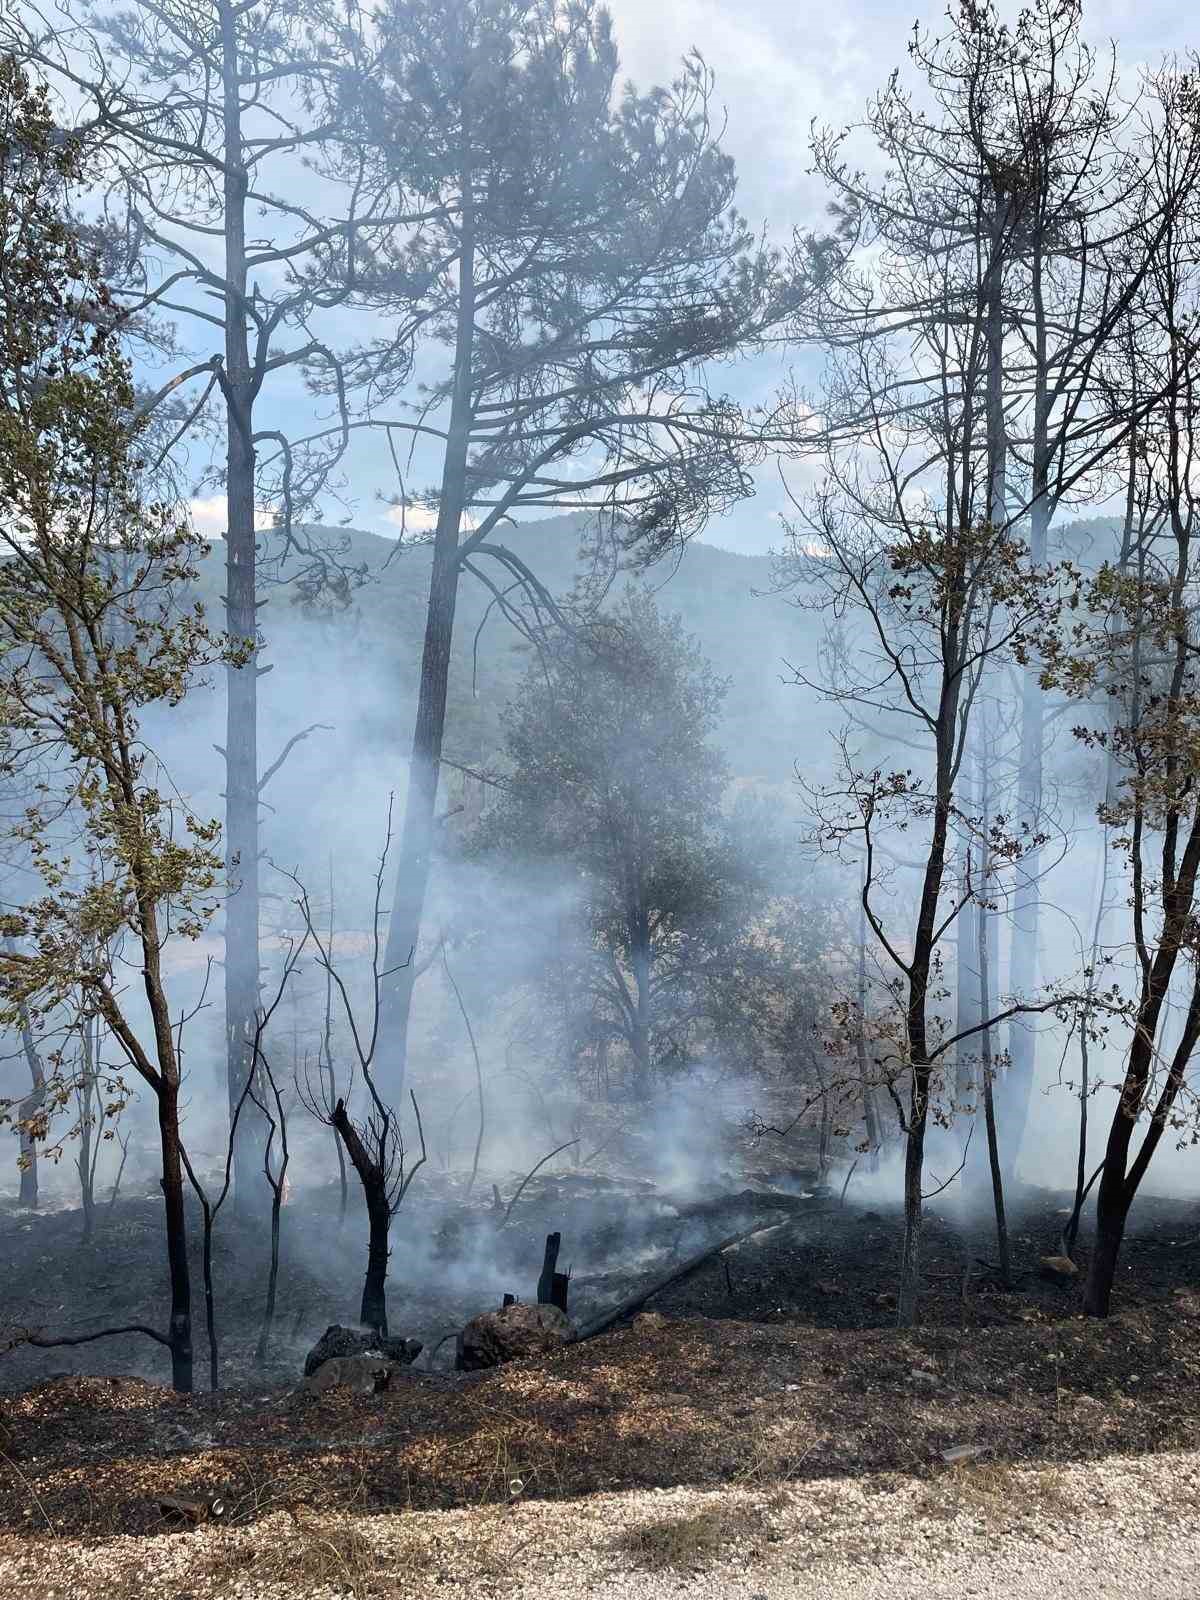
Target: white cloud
(209,516)
(419,519)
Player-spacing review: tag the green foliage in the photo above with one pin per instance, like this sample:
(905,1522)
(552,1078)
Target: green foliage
(594,231)
(616,793)
(90,628)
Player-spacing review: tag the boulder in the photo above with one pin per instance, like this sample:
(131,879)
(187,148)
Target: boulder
(511,1333)
(338,1341)
(362,1374)
(1059,1269)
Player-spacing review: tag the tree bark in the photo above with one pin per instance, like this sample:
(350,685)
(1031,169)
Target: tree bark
(241,616)
(1024,960)
(985,1009)
(180,1327)
(1112,1212)
(373,1309)
(924,943)
(416,843)
(870,1109)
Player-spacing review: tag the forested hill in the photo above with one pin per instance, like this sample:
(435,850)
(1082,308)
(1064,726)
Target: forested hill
(374,647)
(355,671)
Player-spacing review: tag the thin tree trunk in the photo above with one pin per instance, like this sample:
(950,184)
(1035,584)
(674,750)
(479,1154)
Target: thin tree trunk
(177,1256)
(373,1310)
(985,1008)
(241,613)
(268,1321)
(1072,1230)
(967,992)
(1024,961)
(325,1065)
(870,1109)
(914,1219)
(29,1107)
(416,843)
(85,1163)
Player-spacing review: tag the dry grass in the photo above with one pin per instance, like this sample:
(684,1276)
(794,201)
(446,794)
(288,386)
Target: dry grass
(689,1542)
(995,1493)
(319,1552)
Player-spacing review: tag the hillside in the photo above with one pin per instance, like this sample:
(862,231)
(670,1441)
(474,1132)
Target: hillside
(354,673)
(745,631)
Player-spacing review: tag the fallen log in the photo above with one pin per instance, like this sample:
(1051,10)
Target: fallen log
(635,1302)
(745,1200)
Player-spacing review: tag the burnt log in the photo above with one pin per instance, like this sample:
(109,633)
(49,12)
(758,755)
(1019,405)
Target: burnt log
(635,1302)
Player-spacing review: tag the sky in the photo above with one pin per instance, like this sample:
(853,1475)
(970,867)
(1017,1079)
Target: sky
(779,67)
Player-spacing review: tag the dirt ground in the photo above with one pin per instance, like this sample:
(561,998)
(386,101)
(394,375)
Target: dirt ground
(775,1365)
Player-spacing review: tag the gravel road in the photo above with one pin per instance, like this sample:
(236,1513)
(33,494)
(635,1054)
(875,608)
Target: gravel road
(1122,1528)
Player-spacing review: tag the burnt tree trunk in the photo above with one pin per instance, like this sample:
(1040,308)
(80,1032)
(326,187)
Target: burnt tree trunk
(989,1098)
(373,1178)
(180,1330)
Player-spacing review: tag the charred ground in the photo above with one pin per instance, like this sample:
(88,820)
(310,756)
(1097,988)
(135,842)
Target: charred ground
(785,1365)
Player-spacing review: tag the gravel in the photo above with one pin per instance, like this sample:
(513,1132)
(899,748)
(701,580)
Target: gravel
(1124,1527)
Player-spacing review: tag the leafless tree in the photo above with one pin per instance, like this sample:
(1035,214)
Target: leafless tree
(374,1144)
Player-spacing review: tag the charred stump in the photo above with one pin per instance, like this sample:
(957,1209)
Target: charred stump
(553,1286)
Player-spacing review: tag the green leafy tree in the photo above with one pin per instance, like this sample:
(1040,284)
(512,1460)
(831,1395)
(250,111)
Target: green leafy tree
(91,632)
(615,792)
(581,261)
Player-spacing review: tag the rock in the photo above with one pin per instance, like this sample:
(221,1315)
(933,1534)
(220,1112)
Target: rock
(362,1374)
(1061,1269)
(507,1335)
(963,1452)
(339,1341)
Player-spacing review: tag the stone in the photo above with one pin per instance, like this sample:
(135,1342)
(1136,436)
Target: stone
(509,1334)
(339,1341)
(361,1374)
(1060,1268)
(963,1452)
